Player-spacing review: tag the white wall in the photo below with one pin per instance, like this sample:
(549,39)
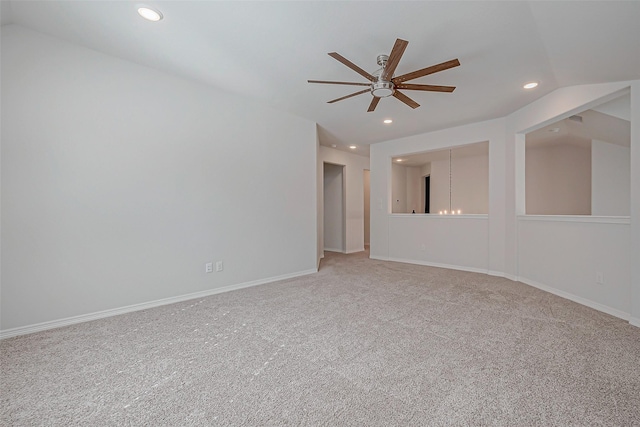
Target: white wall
(415,187)
(635,203)
(558,179)
(354,193)
(319,203)
(470,184)
(334,236)
(407,189)
(567,256)
(399,188)
(439,240)
(367,207)
(439,194)
(610,179)
(120,182)
(560,256)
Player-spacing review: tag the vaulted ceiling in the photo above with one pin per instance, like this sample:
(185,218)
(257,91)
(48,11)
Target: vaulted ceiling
(267,51)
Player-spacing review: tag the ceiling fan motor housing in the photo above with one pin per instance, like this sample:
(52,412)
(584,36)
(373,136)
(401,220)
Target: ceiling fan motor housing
(382,88)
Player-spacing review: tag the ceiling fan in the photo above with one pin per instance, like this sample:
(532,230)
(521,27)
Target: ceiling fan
(382,83)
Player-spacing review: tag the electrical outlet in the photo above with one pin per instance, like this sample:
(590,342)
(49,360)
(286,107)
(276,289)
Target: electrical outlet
(208,267)
(219,266)
(599,278)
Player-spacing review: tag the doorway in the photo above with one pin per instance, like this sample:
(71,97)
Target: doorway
(427,193)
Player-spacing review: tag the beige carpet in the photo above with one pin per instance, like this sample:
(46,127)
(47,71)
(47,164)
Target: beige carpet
(361,343)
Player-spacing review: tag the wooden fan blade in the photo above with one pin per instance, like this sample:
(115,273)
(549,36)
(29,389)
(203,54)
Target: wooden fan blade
(404,98)
(394,58)
(374,104)
(348,96)
(351,65)
(339,83)
(426,71)
(429,88)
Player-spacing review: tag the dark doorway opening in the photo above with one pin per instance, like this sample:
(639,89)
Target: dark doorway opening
(427,192)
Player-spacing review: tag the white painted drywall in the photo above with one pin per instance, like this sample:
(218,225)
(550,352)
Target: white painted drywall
(319,202)
(414,189)
(567,257)
(355,166)
(446,241)
(558,178)
(406,189)
(610,179)
(120,182)
(470,184)
(334,224)
(367,206)
(439,186)
(399,188)
(635,203)
(4,6)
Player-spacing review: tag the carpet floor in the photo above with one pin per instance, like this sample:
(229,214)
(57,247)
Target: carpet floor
(360,343)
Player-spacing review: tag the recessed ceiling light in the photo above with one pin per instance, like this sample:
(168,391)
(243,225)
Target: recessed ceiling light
(333,145)
(530,85)
(353,147)
(387,121)
(149,14)
(398,160)
(554,130)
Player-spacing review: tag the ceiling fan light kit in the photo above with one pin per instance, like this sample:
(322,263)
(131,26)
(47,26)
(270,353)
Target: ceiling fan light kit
(383,84)
(382,89)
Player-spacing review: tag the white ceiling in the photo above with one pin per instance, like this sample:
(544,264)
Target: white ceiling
(421,159)
(267,50)
(594,125)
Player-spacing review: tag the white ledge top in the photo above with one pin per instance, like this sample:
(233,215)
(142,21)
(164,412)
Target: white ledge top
(434,215)
(577,218)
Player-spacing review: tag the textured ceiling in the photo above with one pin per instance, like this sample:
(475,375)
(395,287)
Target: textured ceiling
(268,50)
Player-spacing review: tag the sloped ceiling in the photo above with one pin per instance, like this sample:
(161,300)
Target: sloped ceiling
(266,51)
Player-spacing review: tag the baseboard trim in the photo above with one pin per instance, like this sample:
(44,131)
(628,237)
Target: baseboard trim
(340,251)
(355,251)
(501,274)
(44,326)
(435,264)
(580,300)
